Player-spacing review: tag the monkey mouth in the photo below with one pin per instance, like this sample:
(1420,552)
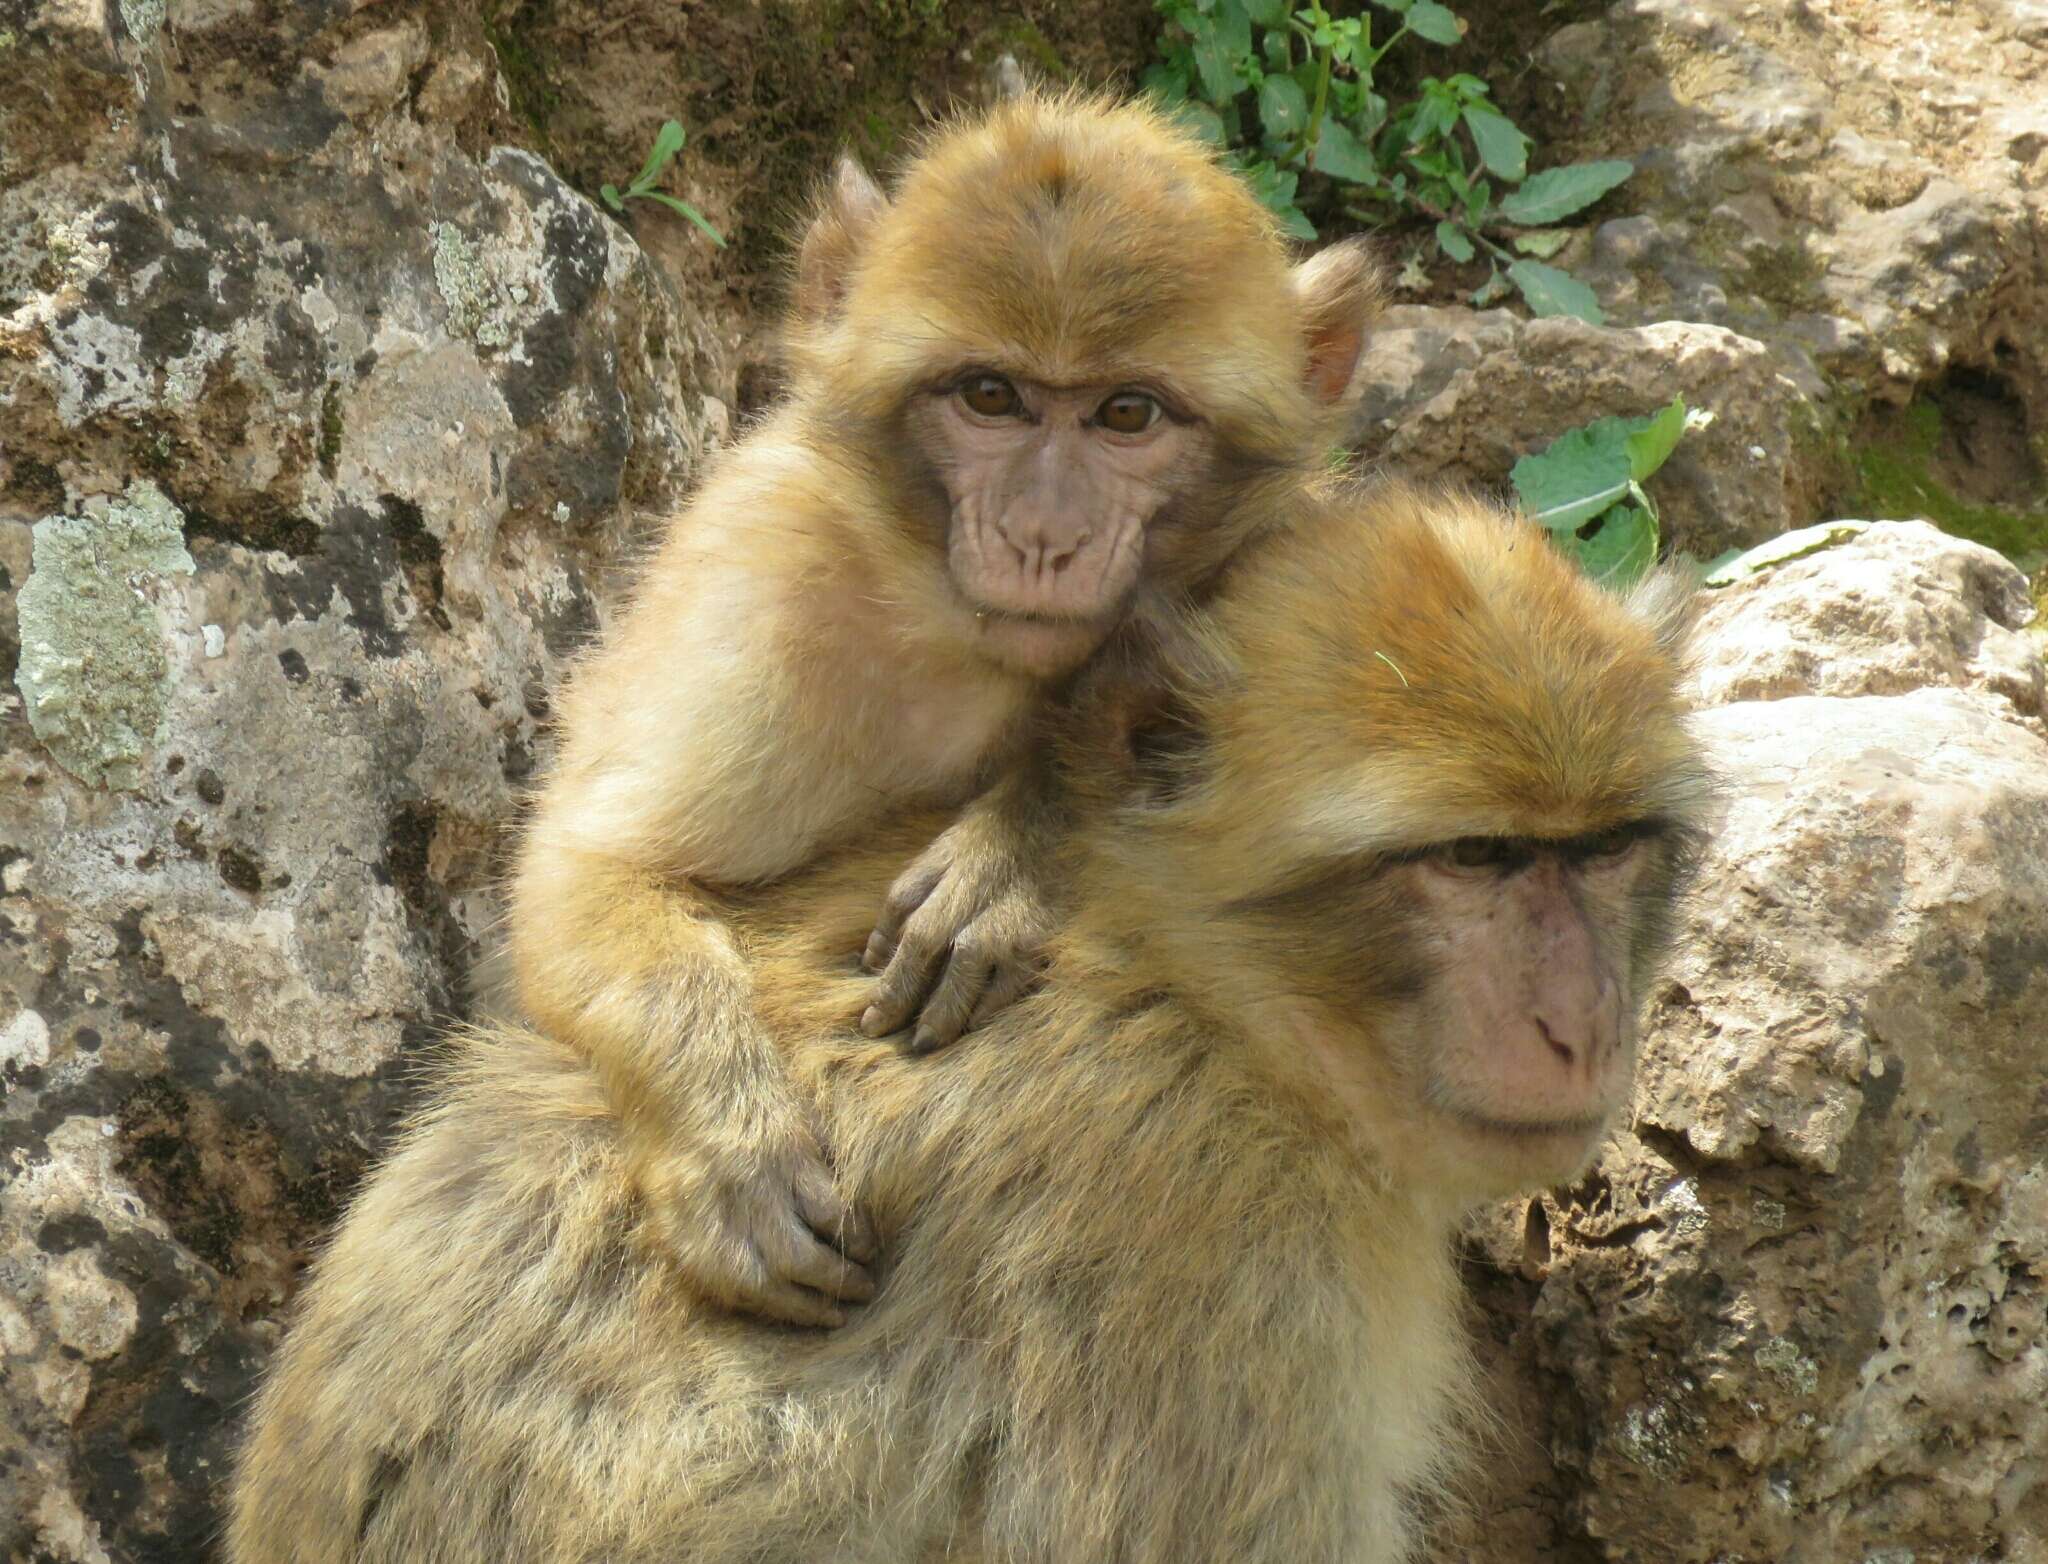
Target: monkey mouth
(1576,1127)
(1035,643)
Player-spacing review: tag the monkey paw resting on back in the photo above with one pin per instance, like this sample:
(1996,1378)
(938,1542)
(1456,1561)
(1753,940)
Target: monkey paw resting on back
(1054,381)
(1361,922)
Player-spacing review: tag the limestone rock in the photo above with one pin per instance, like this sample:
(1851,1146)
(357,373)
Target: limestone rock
(1460,394)
(324,421)
(1798,1311)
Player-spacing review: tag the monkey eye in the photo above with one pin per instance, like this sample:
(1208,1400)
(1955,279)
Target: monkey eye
(991,396)
(1128,412)
(1610,843)
(1487,852)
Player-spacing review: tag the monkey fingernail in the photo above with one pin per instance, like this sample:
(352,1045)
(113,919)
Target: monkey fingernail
(873,1022)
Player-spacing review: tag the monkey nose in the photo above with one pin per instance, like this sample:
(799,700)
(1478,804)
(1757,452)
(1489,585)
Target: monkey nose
(1565,1052)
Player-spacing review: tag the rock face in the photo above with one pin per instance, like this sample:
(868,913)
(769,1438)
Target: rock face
(324,418)
(1854,193)
(1799,1312)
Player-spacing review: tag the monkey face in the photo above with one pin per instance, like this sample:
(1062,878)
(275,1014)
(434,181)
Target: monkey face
(1487,1025)
(1423,833)
(1051,494)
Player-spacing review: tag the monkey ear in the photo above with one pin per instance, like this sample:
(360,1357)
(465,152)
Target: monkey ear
(838,230)
(1668,601)
(1338,291)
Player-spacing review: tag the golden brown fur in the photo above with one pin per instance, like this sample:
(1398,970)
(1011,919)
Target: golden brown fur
(797,663)
(1157,1288)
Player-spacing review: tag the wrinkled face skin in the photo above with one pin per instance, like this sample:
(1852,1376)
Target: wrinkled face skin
(1508,986)
(1051,491)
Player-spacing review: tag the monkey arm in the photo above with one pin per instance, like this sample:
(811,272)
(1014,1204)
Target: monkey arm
(962,928)
(620,949)
(638,971)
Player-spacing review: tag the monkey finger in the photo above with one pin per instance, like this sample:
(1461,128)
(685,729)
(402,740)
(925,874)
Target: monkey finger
(795,1256)
(835,1219)
(912,889)
(1012,980)
(945,1015)
(794,1305)
(904,981)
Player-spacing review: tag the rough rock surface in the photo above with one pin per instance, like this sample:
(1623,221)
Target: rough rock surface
(321,420)
(1460,394)
(1799,1311)
(1856,190)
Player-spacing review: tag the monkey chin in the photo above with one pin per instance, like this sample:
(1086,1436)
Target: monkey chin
(1493,1157)
(1041,646)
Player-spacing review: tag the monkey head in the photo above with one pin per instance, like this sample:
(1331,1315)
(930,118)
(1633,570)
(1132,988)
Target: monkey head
(1075,350)
(1424,817)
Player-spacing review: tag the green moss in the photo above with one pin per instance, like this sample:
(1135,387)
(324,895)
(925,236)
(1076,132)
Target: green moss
(1895,479)
(1023,39)
(511,31)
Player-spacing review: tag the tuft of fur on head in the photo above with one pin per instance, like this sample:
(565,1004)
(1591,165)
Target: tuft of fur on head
(1067,238)
(1410,667)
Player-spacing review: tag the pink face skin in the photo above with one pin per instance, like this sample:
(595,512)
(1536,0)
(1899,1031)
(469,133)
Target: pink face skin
(1523,1048)
(1051,490)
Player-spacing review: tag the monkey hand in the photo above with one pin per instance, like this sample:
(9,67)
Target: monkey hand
(756,1223)
(960,933)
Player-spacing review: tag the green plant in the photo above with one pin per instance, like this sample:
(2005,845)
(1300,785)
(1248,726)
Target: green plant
(1291,93)
(668,141)
(1586,489)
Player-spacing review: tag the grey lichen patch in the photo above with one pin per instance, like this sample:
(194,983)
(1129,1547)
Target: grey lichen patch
(143,18)
(478,304)
(93,674)
(1781,1358)
(1651,1437)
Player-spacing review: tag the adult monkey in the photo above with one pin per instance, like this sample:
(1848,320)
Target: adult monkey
(1059,378)
(1359,934)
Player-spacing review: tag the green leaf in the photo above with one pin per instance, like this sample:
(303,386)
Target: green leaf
(1202,122)
(1435,115)
(1502,147)
(611,197)
(1274,187)
(1274,47)
(690,212)
(1737,566)
(1454,242)
(1543,243)
(1342,155)
(1435,22)
(1559,192)
(1372,114)
(1267,13)
(1398,7)
(1553,292)
(1617,548)
(1283,107)
(1650,446)
(668,141)
(1585,471)
(1168,84)
(1220,48)
(1491,291)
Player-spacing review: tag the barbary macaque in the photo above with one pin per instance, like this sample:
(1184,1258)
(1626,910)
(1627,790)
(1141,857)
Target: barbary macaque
(1361,914)
(1048,386)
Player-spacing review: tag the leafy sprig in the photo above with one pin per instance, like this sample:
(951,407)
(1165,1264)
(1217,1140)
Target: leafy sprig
(1586,489)
(1291,93)
(668,141)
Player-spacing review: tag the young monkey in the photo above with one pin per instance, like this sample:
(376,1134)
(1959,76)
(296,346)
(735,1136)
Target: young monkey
(1058,378)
